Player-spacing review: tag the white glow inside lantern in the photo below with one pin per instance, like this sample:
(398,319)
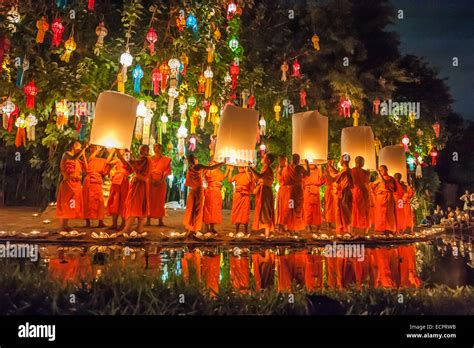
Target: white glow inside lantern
(394,158)
(114,120)
(359,141)
(236,135)
(310,136)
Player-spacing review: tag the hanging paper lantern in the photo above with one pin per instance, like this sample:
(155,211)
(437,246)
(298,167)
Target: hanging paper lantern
(394,158)
(61,4)
(8,109)
(236,135)
(184,61)
(57,28)
(182,135)
(208,74)
(263,149)
(180,22)
(302,98)
(42,26)
(206,104)
(315,40)
(137,74)
(194,120)
(277,109)
(191,22)
(90,5)
(165,70)
(434,155)
(359,141)
(251,102)
(151,37)
(126,60)
(30,91)
(192,143)
(263,126)
(405,142)
(411,119)
(202,117)
(192,101)
(233,43)
(69,46)
(411,162)
(310,136)
(284,69)
(21,124)
(345,107)
(244,95)
(183,106)
(436,128)
(355,116)
(172,94)
(32,121)
(101,32)
(210,52)
(164,121)
(234,72)
(62,113)
(147,128)
(155,80)
(296,68)
(376,105)
(231,9)
(13,18)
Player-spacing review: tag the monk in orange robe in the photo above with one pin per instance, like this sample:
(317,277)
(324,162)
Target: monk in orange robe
(344,184)
(136,203)
(69,201)
(118,191)
(312,200)
(263,266)
(399,203)
(160,168)
(409,193)
(360,195)
(241,199)
(213,197)
(282,196)
(264,213)
(295,173)
(384,204)
(94,204)
(195,201)
(330,196)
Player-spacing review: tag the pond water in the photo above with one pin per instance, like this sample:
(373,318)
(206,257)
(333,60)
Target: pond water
(448,260)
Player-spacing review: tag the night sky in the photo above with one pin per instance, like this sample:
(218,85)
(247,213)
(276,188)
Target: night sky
(440,30)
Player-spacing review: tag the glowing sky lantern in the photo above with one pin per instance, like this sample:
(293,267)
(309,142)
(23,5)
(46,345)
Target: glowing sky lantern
(236,135)
(114,120)
(359,141)
(394,158)
(310,136)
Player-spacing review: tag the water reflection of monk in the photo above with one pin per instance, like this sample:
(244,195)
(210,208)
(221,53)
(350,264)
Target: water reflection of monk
(69,267)
(240,269)
(263,265)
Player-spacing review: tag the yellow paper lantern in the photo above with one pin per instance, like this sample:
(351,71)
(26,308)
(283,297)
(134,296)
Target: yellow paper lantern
(310,136)
(359,141)
(237,135)
(114,120)
(394,158)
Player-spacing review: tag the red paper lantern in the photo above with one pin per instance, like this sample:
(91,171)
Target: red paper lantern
(302,98)
(234,72)
(151,37)
(436,128)
(90,4)
(296,69)
(155,80)
(57,28)
(30,90)
(405,142)
(434,155)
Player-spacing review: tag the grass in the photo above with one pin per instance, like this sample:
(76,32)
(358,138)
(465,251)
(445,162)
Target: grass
(27,289)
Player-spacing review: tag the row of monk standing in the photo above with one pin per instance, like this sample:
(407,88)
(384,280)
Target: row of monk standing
(141,197)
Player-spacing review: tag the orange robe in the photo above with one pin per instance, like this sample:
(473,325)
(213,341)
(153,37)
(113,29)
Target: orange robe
(69,201)
(240,272)
(263,267)
(136,203)
(282,198)
(384,205)
(264,213)
(344,201)
(241,199)
(399,207)
(195,200)
(330,196)
(409,193)
(213,196)
(156,195)
(295,219)
(312,201)
(94,206)
(371,205)
(118,189)
(360,198)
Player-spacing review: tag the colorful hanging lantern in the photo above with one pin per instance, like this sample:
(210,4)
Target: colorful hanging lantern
(90,5)
(233,43)
(244,95)
(206,104)
(210,52)
(284,69)
(411,162)
(184,62)
(181,22)
(13,18)
(217,34)
(434,155)
(194,120)
(8,110)
(191,23)
(405,142)
(191,101)
(174,65)
(355,116)
(251,102)
(263,149)
(302,98)
(165,70)
(151,37)
(201,83)
(202,117)
(172,94)
(315,40)
(376,106)
(277,109)
(345,108)
(69,46)
(101,32)
(263,126)
(62,113)
(137,74)
(30,91)
(231,10)
(234,72)
(126,60)
(57,28)
(192,143)
(411,119)
(147,128)
(155,80)
(436,129)
(208,74)
(42,26)
(21,124)
(24,66)
(296,68)
(182,135)
(164,121)
(32,121)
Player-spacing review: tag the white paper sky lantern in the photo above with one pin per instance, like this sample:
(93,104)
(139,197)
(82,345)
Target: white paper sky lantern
(359,141)
(310,136)
(394,158)
(114,120)
(237,135)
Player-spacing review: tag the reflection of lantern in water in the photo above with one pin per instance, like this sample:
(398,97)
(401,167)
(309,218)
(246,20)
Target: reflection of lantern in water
(114,120)
(236,135)
(359,141)
(394,158)
(310,136)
